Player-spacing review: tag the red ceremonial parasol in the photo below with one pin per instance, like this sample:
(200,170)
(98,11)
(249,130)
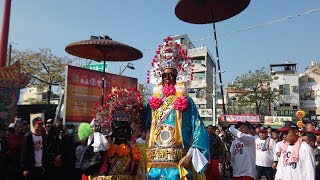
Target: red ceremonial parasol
(103,49)
(210,11)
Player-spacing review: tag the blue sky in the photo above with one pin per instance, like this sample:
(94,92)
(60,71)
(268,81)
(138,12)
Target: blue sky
(144,23)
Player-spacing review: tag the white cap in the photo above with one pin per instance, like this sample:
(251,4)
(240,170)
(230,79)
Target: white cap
(11,125)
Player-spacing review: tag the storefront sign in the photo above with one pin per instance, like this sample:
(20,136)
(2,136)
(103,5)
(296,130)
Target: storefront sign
(285,113)
(276,120)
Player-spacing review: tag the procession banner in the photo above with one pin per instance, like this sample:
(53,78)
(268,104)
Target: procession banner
(276,120)
(84,91)
(234,118)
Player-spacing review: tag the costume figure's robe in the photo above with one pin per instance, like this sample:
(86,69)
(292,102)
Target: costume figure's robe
(172,134)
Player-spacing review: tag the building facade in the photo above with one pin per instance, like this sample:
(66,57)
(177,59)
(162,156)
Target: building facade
(34,95)
(202,88)
(309,91)
(286,80)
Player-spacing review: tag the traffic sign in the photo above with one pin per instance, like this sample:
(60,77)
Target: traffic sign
(95,67)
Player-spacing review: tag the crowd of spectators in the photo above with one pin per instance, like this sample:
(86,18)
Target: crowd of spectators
(40,149)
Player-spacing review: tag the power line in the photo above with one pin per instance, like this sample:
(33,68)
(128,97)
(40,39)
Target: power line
(275,21)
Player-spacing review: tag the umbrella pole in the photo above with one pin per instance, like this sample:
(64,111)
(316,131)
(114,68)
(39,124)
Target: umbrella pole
(219,70)
(103,81)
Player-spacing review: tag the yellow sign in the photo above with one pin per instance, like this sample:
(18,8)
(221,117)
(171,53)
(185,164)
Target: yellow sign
(301,114)
(300,124)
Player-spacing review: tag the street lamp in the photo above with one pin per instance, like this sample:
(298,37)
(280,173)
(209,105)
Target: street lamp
(129,65)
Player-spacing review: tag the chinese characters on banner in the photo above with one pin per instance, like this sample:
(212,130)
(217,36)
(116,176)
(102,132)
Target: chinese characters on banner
(233,118)
(84,91)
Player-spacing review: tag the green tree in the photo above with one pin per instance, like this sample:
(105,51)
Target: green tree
(45,69)
(255,91)
(145,91)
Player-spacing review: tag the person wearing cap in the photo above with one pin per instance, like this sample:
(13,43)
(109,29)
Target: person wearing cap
(297,159)
(264,154)
(243,152)
(310,124)
(33,155)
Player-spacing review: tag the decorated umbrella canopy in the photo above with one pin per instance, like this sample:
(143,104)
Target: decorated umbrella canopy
(103,49)
(11,77)
(11,81)
(210,11)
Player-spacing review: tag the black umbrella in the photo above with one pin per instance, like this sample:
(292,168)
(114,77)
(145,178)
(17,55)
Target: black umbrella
(210,11)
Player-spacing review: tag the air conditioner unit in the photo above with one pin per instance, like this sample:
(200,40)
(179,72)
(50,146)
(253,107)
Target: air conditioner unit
(294,88)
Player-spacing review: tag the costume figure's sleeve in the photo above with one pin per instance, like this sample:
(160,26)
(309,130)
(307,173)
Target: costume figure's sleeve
(201,142)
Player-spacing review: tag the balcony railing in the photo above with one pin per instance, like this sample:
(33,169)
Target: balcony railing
(198,50)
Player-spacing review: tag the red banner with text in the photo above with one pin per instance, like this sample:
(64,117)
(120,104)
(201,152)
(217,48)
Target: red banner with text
(84,91)
(233,118)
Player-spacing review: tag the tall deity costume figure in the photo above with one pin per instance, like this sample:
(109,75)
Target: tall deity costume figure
(178,146)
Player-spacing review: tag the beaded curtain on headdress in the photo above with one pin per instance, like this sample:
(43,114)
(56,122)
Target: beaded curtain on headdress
(120,105)
(170,55)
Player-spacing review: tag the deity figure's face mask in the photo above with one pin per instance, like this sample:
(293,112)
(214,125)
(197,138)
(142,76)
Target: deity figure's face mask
(121,131)
(169,76)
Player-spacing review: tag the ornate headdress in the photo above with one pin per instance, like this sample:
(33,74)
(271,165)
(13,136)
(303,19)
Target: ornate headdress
(120,105)
(170,55)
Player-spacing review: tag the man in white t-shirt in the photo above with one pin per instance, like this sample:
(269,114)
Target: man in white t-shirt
(264,155)
(243,152)
(32,154)
(297,160)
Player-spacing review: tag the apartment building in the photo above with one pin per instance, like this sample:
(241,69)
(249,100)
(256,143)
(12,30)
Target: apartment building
(309,90)
(34,95)
(286,79)
(202,88)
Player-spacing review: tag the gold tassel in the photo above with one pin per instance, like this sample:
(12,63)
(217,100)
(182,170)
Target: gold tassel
(178,122)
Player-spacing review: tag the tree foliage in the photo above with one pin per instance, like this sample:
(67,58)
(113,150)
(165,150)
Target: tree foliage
(255,91)
(146,92)
(45,69)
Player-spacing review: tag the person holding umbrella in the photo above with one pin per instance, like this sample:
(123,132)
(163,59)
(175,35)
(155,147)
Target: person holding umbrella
(243,151)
